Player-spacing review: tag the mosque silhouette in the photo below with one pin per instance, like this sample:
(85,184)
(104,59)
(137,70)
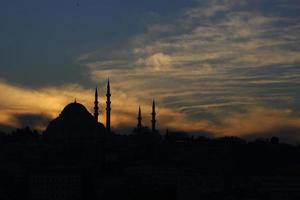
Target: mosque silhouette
(76,123)
(77,158)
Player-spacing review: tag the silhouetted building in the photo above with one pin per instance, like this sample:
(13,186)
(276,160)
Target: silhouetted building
(279,187)
(96,107)
(139,118)
(108,108)
(74,123)
(153,120)
(58,184)
(77,159)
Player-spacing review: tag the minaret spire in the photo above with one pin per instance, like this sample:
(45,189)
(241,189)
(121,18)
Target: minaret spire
(96,107)
(153,121)
(139,125)
(108,108)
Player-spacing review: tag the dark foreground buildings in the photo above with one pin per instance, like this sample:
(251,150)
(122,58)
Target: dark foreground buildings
(79,158)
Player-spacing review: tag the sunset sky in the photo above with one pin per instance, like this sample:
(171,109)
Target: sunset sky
(219,67)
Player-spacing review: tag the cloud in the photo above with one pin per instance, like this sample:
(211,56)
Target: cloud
(157,62)
(219,66)
(5,128)
(18,103)
(258,120)
(38,121)
(39,106)
(214,62)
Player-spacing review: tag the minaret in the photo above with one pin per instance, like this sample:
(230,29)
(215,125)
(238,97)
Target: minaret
(96,108)
(139,125)
(108,108)
(153,121)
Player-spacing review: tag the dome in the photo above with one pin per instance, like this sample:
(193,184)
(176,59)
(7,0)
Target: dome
(75,110)
(74,122)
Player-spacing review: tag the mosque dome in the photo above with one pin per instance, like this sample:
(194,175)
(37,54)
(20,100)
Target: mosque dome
(74,122)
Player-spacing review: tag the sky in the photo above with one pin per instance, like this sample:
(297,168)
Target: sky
(216,67)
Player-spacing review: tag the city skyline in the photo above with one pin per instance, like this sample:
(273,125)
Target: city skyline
(214,67)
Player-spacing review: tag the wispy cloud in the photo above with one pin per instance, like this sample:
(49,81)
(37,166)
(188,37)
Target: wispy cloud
(37,107)
(215,58)
(220,66)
